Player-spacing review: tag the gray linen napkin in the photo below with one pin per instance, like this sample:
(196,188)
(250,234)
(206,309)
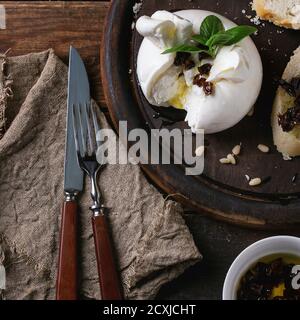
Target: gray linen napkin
(152,242)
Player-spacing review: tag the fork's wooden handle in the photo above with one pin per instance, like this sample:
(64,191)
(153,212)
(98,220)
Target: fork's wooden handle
(66,286)
(108,276)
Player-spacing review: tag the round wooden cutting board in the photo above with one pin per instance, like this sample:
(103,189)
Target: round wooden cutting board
(221,191)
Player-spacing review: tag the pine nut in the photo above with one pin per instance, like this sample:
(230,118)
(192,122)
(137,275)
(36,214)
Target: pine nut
(263,148)
(225,161)
(231,158)
(247,177)
(236,150)
(255,182)
(286,157)
(199,151)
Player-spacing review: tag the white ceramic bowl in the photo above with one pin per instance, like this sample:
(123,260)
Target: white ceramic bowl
(255,252)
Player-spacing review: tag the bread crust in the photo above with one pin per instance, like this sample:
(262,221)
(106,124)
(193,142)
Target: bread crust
(265,14)
(286,143)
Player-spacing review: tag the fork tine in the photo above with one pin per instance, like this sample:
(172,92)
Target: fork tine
(96,124)
(87,119)
(75,130)
(82,131)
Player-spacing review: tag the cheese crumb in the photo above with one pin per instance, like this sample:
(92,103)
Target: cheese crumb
(286,157)
(256,20)
(137,7)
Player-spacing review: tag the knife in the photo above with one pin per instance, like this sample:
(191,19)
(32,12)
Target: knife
(78,91)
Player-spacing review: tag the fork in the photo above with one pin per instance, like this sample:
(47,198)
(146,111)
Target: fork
(86,127)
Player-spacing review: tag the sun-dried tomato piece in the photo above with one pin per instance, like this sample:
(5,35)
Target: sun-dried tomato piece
(208,88)
(189,64)
(205,69)
(181,57)
(184,59)
(295,82)
(203,55)
(289,119)
(199,80)
(292,87)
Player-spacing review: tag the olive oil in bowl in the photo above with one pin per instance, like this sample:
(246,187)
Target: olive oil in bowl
(271,278)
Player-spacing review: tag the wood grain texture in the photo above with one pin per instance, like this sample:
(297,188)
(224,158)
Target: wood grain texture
(33,26)
(222,191)
(67,271)
(108,277)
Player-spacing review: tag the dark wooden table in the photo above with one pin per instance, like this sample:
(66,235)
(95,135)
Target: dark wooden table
(39,25)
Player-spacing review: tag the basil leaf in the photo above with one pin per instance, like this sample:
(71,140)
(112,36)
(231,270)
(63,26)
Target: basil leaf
(213,51)
(199,39)
(239,33)
(231,36)
(210,26)
(182,48)
(219,39)
(209,52)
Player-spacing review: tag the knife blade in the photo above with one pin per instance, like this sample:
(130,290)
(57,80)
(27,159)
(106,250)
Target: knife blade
(78,93)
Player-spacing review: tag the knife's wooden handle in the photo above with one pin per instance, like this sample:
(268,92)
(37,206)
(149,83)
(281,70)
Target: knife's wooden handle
(66,286)
(108,276)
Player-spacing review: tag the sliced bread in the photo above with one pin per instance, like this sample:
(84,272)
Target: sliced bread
(284,13)
(288,143)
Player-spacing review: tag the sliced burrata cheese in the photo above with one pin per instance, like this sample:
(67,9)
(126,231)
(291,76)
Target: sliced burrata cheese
(151,65)
(167,86)
(155,71)
(230,101)
(218,111)
(189,75)
(184,28)
(236,74)
(160,32)
(230,64)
